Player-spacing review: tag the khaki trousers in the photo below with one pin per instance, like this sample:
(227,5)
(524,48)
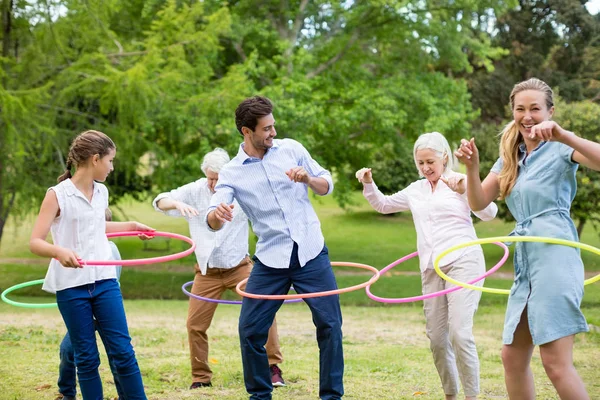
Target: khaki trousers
(200,315)
(449,324)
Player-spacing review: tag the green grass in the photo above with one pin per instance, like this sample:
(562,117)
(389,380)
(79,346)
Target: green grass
(386,351)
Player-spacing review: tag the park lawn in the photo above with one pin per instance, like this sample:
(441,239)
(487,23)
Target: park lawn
(385,348)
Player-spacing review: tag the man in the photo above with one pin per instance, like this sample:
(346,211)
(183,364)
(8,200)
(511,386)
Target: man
(222,262)
(270,179)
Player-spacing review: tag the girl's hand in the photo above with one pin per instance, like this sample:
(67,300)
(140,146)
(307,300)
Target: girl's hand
(468,153)
(364,175)
(145,228)
(68,258)
(549,131)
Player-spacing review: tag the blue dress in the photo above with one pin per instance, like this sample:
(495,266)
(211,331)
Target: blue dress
(548,277)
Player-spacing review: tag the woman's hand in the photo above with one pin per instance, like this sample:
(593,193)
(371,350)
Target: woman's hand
(364,175)
(456,182)
(549,131)
(468,153)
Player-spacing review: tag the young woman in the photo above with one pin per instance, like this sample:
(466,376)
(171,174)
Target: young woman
(535,174)
(442,219)
(74,212)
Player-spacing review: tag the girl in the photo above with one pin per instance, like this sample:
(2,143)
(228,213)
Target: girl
(535,174)
(442,218)
(74,212)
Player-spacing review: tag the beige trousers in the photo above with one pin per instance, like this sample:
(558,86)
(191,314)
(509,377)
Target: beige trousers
(200,315)
(449,324)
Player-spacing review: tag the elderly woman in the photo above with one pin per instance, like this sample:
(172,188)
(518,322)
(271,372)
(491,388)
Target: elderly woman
(441,214)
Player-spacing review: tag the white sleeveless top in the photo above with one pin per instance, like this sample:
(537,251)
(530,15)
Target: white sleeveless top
(81,227)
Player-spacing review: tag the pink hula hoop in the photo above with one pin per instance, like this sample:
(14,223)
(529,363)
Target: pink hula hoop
(434,294)
(315,294)
(140,261)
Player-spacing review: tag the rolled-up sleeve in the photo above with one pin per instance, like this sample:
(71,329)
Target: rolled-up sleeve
(314,169)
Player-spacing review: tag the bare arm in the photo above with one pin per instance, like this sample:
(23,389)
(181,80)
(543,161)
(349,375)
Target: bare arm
(37,242)
(480,194)
(587,153)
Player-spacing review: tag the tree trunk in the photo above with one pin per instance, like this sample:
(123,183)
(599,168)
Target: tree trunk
(7,6)
(580,225)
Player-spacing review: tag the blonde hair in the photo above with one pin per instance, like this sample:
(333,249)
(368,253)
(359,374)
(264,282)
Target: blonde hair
(511,139)
(437,142)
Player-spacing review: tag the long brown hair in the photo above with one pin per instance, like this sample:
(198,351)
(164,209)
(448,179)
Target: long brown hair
(511,139)
(84,146)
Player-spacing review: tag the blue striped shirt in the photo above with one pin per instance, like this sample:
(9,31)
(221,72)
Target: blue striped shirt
(278,208)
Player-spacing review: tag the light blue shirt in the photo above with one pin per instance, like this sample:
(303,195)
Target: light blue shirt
(278,208)
(115,255)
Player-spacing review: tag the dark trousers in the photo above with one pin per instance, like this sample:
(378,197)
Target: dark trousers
(102,300)
(257,316)
(67,381)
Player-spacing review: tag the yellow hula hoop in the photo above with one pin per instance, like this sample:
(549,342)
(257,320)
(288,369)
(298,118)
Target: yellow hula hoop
(539,239)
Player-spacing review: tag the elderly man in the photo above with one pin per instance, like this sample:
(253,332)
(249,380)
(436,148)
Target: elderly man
(222,262)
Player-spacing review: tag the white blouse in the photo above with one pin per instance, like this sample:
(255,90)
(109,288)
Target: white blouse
(81,227)
(223,249)
(442,218)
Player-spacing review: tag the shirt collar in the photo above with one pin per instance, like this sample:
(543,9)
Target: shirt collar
(72,190)
(523,147)
(242,156)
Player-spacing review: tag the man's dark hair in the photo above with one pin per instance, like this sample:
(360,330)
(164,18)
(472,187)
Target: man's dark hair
(250,110)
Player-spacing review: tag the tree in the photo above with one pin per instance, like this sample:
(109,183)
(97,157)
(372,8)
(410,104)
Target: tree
(347,79)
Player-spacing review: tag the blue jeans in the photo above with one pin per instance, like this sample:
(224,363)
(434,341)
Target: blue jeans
(102,300)
(67,384)
(257,316)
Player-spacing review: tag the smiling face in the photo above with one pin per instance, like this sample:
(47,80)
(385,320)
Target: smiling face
(430,165)
(261,139)
(103,165)
(530,109)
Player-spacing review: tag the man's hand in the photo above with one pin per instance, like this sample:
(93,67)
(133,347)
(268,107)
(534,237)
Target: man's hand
(298,174)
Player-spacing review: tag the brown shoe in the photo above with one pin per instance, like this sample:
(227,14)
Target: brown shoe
(276,376)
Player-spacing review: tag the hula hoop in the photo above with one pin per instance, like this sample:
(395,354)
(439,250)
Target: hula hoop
(539,239)
(434,294)
(219,301)
(315,294)
(25,305)
(151,260)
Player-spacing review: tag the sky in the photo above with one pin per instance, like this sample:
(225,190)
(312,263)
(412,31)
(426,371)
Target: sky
(593,6)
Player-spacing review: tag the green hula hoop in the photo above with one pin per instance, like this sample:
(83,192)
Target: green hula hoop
(25,305)
(539,239)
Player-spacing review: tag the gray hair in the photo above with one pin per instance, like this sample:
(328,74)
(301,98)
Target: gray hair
(437,142)
(215,160)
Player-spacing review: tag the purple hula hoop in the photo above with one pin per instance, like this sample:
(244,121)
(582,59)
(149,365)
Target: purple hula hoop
(434,294)
(219,301)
